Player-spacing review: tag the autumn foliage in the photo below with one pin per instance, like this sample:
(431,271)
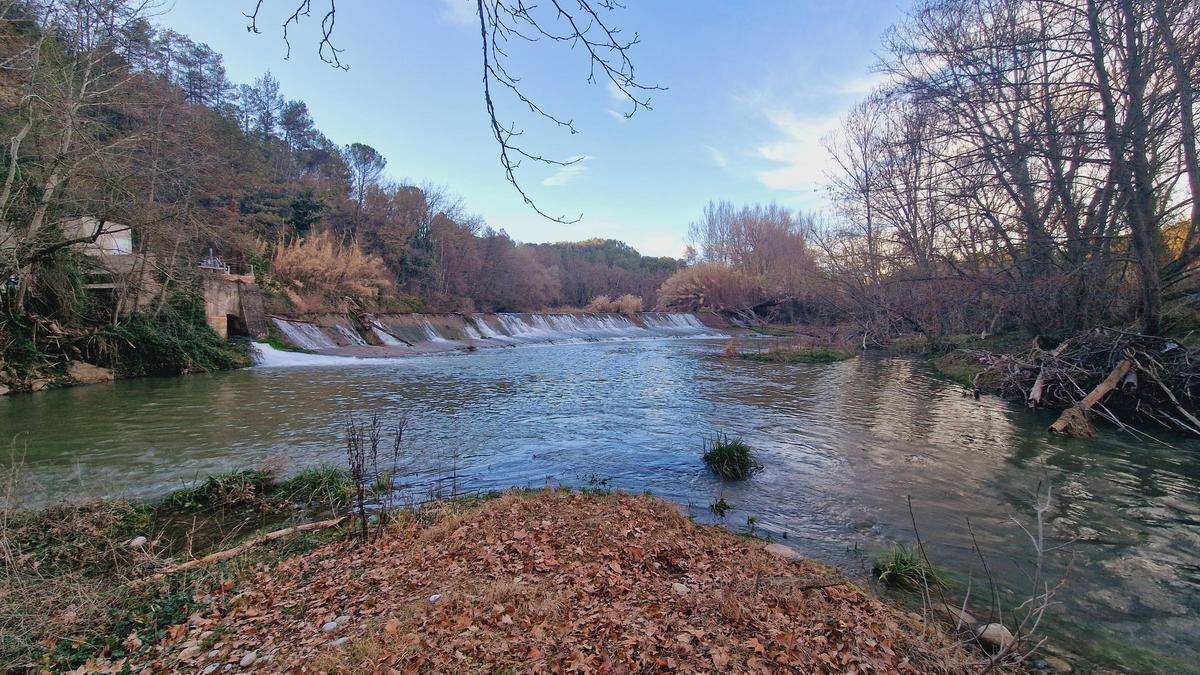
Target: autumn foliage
(319,261)
(626,304)
(553,582)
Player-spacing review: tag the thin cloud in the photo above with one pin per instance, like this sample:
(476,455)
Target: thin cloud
(616,115)
(461,12)
(716,156)
(800,163)
(568,174)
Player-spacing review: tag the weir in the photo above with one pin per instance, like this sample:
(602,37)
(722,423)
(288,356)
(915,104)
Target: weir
(397,334)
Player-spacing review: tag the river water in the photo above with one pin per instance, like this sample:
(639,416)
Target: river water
(843,447)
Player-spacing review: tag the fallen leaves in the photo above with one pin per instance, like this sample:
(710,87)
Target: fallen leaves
(554,582)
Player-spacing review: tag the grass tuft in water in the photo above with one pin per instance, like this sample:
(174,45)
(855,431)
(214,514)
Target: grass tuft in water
(730,458)
(903,567)
(227,489)
(800,355)
(325,484)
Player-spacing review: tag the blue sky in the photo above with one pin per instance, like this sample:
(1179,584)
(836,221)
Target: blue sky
(752,88)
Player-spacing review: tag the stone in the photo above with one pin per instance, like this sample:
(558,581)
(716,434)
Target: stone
(338,642)
(248,660)
(1053,664)
(329,626)
(86,373)
(994,636)
(342,620)
(435,597)
(679,589)
(960,617)
(137,542)
(781,551)
(38,384)
(4,390)
(212,668)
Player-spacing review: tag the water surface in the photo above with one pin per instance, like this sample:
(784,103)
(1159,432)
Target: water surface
(843,445)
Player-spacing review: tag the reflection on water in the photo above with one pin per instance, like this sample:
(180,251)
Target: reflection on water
(843,446)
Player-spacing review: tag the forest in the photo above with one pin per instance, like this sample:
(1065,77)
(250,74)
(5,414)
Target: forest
(140,130)
(1026,165)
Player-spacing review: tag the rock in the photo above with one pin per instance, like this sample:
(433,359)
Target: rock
(137,542)
(86,373)
(435,597)
(329,626)
(1053,664)
(960,617)
(679,589)
(338,642)
(38,384)
(342,620)
(248,660)
(190,653)
(994,636)
(4,390)
(212,668)
(781,551)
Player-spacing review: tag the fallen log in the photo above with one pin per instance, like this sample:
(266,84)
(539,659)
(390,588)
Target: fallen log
(1074,421)
(245,546)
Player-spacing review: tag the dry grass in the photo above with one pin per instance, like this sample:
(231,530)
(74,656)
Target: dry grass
(626,304)
(709,285)
(319,263)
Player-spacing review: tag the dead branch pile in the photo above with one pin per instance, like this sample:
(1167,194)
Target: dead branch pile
(1130,379)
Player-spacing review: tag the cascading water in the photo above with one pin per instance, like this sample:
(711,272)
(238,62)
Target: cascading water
(431,333)
(386,337)
(304,335)
(353,337)
(416,333)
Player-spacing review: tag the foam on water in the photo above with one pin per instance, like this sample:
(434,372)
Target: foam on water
(266,356)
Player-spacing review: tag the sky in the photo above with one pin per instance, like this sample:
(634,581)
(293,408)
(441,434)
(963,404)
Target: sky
(752,88)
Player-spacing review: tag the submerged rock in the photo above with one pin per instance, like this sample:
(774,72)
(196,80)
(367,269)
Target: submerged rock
(995,636)
(86,373)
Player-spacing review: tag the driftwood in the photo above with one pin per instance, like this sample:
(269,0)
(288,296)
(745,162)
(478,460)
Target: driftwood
(1131,380)
(245,546)
(1073,421)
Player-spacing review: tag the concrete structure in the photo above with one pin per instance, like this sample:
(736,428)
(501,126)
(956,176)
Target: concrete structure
(233,305)
(117,267)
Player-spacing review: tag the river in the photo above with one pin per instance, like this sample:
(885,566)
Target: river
(843,447)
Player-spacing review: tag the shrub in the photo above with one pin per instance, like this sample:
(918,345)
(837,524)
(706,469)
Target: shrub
(902,566)
(325,484)
(709,285)
(173,342)
(318,262)
(730,458)
(626,304)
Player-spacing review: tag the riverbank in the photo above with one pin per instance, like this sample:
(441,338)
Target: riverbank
(527,580)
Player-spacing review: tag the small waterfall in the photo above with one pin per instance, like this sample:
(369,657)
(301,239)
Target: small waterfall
(266,356)
(470,331)
(431,333)
(353,337)
(304,335)
(385,337)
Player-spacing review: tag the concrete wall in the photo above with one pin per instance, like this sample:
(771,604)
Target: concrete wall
(229,295)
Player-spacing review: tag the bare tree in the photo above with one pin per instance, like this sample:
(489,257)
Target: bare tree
(583,24)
